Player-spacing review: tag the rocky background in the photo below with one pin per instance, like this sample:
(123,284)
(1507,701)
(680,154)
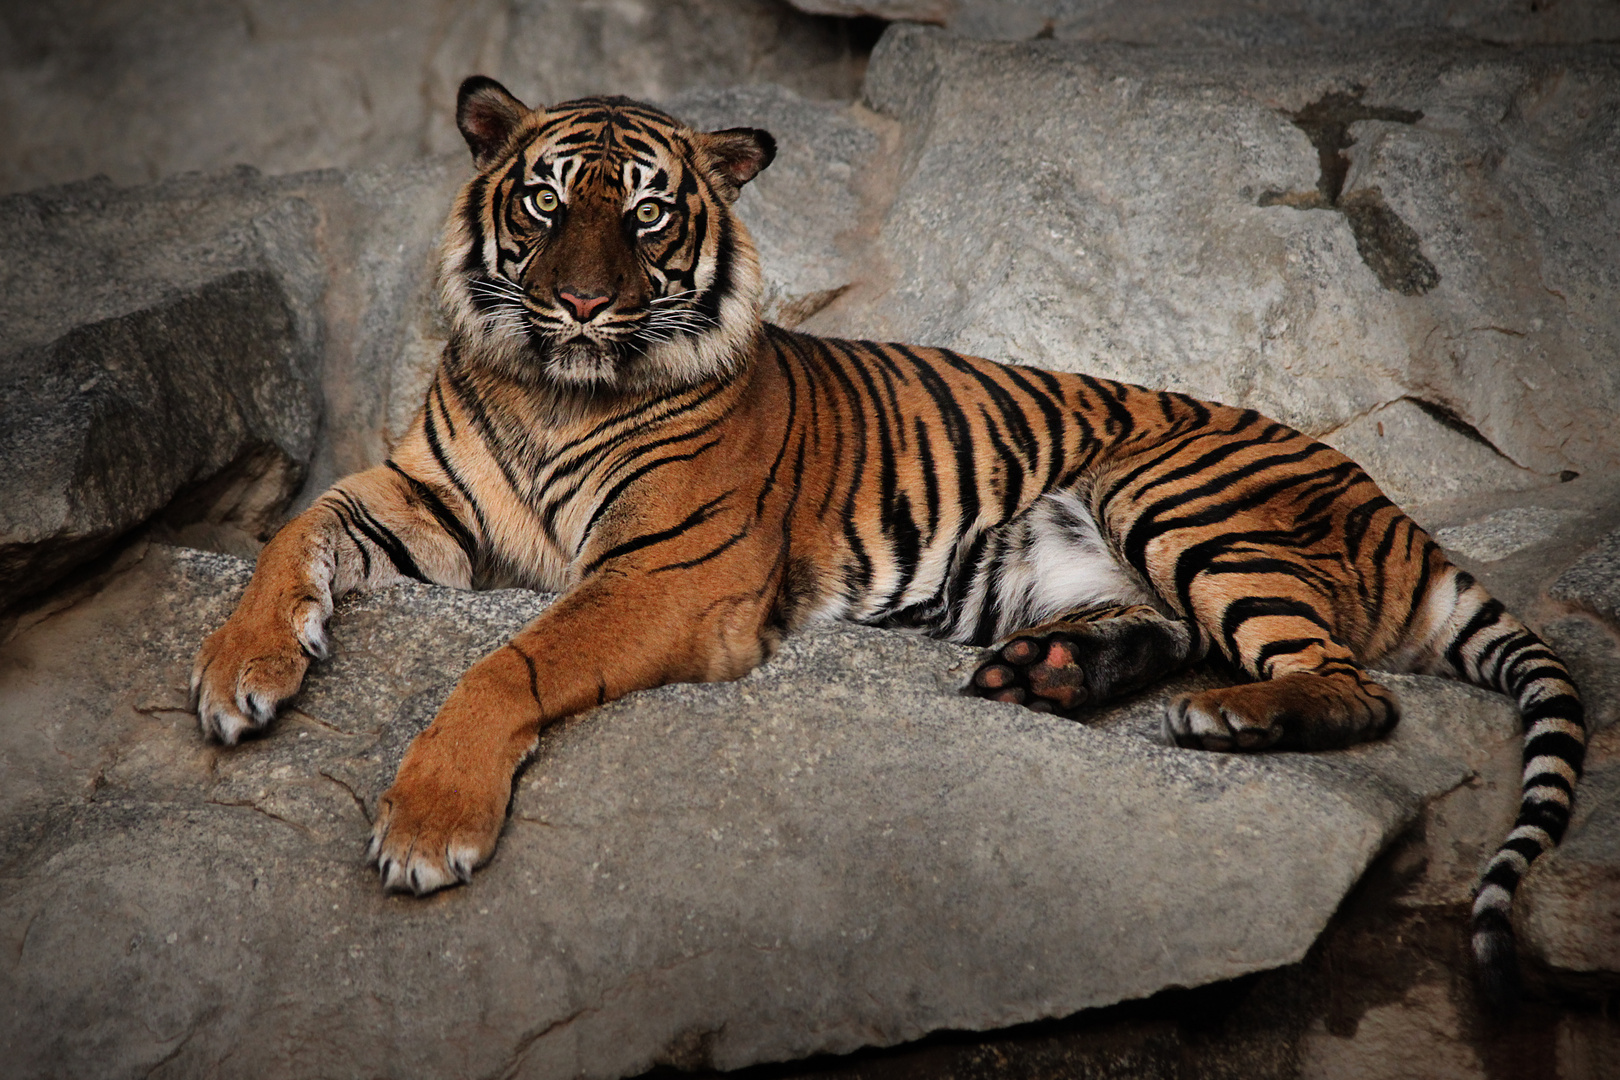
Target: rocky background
(1391,225)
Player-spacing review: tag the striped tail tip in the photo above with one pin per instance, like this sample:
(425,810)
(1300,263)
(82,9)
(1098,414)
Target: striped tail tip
(1496,960)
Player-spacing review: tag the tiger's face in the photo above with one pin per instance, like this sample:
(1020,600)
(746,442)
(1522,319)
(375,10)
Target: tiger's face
(597,250)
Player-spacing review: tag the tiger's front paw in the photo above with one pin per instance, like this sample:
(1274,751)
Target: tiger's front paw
(433,831)
(250,666)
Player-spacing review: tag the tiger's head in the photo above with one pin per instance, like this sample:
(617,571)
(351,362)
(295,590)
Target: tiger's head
(597,250)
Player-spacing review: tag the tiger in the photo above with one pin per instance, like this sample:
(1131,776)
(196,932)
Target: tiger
(613,420)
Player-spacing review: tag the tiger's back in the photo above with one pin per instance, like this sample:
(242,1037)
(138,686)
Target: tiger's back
(612,419)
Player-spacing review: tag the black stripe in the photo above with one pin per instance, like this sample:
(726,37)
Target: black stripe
(365,557)
(1153,522)
(1245,608)
(436,448)
(1284,647)
(706,556)
(1556,744)
(441,513)
(925,462)
(957,431)
(384,538)
(628,547)
(618,489)
(534,677)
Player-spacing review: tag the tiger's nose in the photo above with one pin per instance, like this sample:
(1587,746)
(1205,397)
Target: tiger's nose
(583,304)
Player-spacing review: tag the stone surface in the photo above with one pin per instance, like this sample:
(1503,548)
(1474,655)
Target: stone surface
(1569,914)
(227,314)
(1241,23)
(1418,458)
(1594,581)
(1392,1042)
(139,90)
(1317,233)
(209,394)
(835,851)
(810,212)
(1503,533)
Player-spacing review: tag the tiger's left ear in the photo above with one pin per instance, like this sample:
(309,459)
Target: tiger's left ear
(739,154)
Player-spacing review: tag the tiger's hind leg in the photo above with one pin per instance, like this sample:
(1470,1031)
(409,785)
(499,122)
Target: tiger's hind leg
(1083,659)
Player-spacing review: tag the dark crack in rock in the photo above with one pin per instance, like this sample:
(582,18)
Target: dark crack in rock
(1389,246)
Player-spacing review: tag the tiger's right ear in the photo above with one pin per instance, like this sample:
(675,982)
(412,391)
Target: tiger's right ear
(487,114)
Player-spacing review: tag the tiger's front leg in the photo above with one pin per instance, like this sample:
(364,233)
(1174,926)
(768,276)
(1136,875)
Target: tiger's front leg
(615,633)
(371,529)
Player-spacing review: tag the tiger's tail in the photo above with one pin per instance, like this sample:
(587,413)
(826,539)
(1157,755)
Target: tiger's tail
(1489,647)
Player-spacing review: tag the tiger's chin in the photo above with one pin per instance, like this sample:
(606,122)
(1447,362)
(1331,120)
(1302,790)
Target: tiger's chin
(581,363)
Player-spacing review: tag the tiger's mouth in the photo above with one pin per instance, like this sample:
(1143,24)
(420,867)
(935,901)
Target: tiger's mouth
(613,351)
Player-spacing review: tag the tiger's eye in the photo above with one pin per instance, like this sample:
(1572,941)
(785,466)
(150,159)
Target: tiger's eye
(545,200)
(649,212)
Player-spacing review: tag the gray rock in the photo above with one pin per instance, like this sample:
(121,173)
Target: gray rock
(139,90)
(1569,917)
(1164,217)
(383,332)
(1423,1032)
(810,212)
(1503,533)
(1417,458)
(173,348)
(835,851)
(1594,581)
(1243,23)
(939,12)
(207,395)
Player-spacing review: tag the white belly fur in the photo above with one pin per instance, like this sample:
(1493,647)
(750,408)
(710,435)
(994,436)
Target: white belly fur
(1060,562)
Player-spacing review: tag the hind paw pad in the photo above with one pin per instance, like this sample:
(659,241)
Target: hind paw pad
(1041,672)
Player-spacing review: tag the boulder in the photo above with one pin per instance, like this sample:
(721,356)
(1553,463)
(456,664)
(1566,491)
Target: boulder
(154,345)
(1504,532)
(1406,244)
(811,213)
(173,348)
(836,851)
(207,394)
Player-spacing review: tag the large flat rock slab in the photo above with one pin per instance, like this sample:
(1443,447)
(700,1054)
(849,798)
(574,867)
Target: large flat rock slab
(1403,249)
(835,851)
